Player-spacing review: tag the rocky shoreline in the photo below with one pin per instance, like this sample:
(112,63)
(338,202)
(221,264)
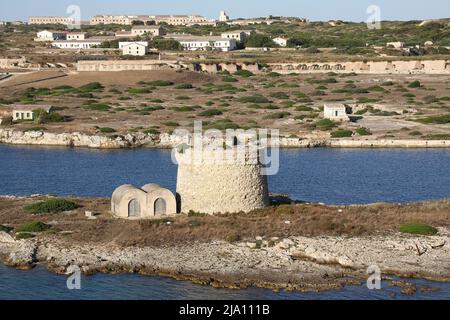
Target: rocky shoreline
(294,263)
(165,140)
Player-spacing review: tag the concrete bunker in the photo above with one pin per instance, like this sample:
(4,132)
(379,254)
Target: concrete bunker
(150,201)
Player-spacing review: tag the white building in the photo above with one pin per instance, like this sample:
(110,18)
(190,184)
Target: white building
(177,20)
(51,20)
(150,30)
(125,43)
(335,111)
(223,17)
(46,35)
(134,48)
(25,112)
(111,19)
(77,36)
(193,43)
(281,41)
(239,35)
(77,44)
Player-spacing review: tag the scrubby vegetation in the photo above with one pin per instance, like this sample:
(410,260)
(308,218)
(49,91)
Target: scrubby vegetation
(418,228)
(341,133)
(35,226)
(51,206)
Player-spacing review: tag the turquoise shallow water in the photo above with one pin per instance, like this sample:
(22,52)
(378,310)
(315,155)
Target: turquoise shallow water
(339,176)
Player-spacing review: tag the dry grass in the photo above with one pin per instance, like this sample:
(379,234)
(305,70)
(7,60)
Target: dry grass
(305,220)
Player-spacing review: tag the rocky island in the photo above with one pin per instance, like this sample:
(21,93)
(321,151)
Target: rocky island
(305,246)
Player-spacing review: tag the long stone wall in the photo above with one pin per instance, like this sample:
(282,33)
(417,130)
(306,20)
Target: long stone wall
(126,65)
(375,67)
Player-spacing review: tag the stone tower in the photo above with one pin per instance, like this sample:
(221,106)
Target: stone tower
(220,182)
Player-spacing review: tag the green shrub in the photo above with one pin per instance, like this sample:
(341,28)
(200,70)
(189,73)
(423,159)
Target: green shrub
(279,95)
(223,124)
(341,133)
(430,99)
(7,121)
(325,124)
(303,108)
(35,129)
(254,99)
(418,228)
(184,86)
(184,109)
(97,106)
(161,83)
(415,133)
(171,124)
(229,79)
(139,90)
(51,206)
(153,108)
(24,235)
(414,84)
(244,73)
(5,228)
(278,115)
(363,131)
(438,136)
(442,119)
(273,74)
(91,87)
(106,130)
(182,98)
(35,226)
(151,131)
(211,113)
(41,116)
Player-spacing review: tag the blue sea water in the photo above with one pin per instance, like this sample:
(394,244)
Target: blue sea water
(334,176)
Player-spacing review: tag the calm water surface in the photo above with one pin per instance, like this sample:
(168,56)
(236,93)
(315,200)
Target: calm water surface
(337,176)
(38,283)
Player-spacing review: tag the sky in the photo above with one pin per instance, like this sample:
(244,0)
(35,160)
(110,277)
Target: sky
(314,10)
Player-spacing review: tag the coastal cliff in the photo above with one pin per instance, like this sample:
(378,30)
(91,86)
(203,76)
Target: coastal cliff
(165,140)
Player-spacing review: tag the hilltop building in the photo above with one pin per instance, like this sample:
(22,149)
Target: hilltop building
(239,35)
(51,20)
(223,17)
(147,30)
(89,43)
(202,43)
(77,35)
(138,48)
(177,20)
(46,35)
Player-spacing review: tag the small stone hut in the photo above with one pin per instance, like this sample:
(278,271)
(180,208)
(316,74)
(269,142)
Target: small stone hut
(335,111)
(150,201)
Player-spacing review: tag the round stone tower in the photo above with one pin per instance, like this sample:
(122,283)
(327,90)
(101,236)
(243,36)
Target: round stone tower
(220,181)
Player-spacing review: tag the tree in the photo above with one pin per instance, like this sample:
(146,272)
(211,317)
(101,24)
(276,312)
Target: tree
(295,42)
(259,41)
(167,44)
